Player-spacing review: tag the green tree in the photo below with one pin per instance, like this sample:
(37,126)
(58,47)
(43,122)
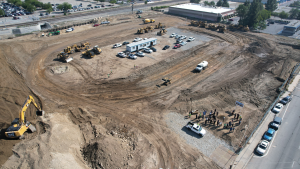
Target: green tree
(30,8)
(283,15)
(294,13)
(46,6)
(19,3)
(112,1)
(146,2)
(242,12)
(247,3)
(212,3)
(102,0)
(219,3)
(271,5)
(262,25)
(49,10)
(225,3)
(195,1)
(2,12)
(64,6)
(252,18)
(206,3)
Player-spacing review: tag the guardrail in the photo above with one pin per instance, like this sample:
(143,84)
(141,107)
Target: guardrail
(282,89)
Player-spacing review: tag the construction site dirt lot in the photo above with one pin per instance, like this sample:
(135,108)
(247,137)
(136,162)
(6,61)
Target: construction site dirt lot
(108,112)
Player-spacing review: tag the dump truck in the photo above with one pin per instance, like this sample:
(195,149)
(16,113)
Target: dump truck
(159,26)
(149,21)
(196,128)
(201,66)
(162,32)
(64,57)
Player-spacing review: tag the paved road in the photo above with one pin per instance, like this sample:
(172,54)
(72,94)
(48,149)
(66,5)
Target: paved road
(285,149)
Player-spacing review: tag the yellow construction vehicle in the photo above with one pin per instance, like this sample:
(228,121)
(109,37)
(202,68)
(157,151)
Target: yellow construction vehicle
(212,27)
(159,26)
(92,52)
(82,46)
(148,21)
(162,32)
(148,29)
(69,49)
(20,125)
(64,57)
(141,31)
(203,24)
(222,28)
(246,28)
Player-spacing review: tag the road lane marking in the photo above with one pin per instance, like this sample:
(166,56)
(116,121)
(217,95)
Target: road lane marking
(293,164)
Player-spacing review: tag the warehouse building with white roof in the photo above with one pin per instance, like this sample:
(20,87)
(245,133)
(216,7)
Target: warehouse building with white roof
(201,12)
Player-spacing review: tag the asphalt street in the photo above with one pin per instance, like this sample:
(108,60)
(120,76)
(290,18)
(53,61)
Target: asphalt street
(284,152)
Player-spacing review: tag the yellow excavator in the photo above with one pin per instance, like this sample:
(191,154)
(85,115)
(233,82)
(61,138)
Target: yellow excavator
(20,125)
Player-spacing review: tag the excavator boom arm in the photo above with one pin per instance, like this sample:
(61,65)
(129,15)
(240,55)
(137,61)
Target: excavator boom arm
(24,108)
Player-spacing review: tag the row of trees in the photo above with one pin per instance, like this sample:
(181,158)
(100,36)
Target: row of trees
(223,3)
(253,14)
(31,5)
(212,3)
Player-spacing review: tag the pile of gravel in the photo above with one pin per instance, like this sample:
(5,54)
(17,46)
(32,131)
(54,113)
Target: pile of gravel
(206,144)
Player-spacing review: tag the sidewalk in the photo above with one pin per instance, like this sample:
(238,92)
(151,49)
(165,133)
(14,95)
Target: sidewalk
(246,154)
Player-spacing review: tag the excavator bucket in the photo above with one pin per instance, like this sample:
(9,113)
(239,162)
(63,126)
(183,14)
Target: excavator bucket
(40,113)
(69,59)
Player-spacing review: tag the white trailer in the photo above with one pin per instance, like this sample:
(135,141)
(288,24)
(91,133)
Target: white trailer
(201,66)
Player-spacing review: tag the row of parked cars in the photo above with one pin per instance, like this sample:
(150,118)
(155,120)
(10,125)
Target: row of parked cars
(179,40)
(11,10)
(273,127)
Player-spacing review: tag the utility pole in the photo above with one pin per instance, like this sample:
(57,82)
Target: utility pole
(132,6)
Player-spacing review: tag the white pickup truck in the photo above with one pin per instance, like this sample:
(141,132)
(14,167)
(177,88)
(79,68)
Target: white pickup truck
(201,66)
(196,128)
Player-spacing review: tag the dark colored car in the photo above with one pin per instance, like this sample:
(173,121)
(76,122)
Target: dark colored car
(166,47)
(230,19)
(125,43)
(102,5)
(286,100)
(41,14)
(275,123)
(152,48)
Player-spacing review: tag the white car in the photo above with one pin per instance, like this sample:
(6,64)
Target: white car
(196,128)
(173,35)
(147,50)
(182,37)
(69,29)
(277,108)
(105,22)
(132,56)
(122,54)
(117,45)
(145,38)
(262,147)
(140,54)
(137,39)
(191,39)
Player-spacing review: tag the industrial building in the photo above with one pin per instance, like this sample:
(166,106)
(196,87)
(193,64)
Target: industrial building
(201,12)
(136,46)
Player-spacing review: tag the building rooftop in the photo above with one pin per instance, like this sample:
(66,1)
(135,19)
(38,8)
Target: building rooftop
(198,7)
(293,24)
(140,42)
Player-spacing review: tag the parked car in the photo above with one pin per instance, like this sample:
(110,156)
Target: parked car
(269,134)
(97,6)
(145,38)
(166,47)
(182,37)
(132,56)
(177,36)
(147,50)
(137,39)
(41,14)
(183,43)
(152,48)
(140,54)
(262,147)
(191,39)
(102,5)
(286,100)
(105,22)
(230,19)
(117,45)
(96,25)
(125,43)
(173,35)
(196,128)
(277,108)
(179,41)
(122,54)
(177,46)
(69,29)
(275,123)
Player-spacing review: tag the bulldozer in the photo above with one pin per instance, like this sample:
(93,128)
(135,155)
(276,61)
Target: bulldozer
(166,82)
(92,52)
(203,24)
(159,26)
(69,49)
(82,46)
(141,31)
(222,28)
(194,23)
(213,27)
(64,57)
(148,29)
(162,32)
(20,125)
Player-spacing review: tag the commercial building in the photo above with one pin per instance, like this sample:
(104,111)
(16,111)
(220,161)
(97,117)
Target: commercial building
(141,44)
(201,12)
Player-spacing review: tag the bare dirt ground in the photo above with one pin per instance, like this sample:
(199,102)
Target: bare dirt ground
(118,122)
